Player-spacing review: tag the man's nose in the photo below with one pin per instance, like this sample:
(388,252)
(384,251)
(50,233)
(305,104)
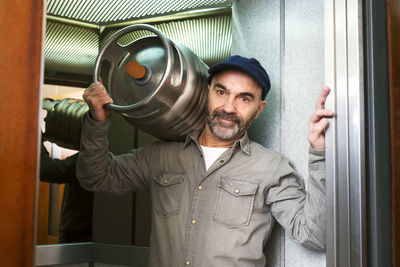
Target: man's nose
(229,106)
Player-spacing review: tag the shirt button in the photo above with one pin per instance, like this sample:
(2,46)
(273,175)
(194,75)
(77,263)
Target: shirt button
(165,180)
(222,161)
(193,221)
(237,191)
(187,263)
(199,187)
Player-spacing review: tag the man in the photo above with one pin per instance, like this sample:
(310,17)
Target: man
(76,210)
(215,196)
(77,204)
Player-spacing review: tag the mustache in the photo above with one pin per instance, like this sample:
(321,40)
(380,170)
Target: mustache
(227,116)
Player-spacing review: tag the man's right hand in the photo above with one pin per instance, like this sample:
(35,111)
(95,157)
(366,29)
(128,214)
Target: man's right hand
(96,97)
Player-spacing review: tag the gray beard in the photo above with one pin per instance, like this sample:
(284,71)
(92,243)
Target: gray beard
(228,131)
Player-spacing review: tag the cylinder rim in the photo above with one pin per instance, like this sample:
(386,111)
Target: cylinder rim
(167,74)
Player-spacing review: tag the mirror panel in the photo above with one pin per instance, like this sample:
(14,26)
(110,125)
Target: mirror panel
(64,208)
(72,43)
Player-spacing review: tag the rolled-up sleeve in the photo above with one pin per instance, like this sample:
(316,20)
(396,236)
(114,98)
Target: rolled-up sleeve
(301,213)
(99,170)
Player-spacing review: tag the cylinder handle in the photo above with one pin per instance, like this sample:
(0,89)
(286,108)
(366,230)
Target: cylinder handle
(112,43)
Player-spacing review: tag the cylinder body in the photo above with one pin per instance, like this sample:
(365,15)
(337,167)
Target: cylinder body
(170,100)
(63,121)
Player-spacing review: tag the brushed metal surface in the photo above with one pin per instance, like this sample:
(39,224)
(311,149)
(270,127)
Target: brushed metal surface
(170,101)
(345,153)
(63,254)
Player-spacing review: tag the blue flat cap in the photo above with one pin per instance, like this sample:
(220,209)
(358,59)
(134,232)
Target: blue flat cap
(250,66)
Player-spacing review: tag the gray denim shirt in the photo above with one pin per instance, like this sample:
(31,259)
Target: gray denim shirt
(219,217)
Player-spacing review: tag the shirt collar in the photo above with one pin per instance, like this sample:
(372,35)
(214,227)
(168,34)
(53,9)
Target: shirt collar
(193,136)
(243,142)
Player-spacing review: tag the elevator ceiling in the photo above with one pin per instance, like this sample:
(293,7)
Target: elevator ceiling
(76,30)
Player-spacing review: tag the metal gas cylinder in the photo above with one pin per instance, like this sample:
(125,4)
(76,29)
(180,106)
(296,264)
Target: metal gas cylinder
(63,121)
(157,84)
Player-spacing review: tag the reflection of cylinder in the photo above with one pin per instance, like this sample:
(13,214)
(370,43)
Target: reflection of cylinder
(158,85)
(63,121)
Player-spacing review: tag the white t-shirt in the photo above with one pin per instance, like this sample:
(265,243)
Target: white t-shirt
(211,154)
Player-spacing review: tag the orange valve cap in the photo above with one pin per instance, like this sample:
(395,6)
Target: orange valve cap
(136,70)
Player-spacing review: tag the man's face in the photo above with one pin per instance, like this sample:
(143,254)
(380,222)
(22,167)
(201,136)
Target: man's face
(234,102)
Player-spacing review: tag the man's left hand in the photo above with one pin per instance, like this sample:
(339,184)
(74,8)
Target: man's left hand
(319,121)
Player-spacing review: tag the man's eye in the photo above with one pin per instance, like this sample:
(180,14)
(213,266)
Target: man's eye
(220,92)
(244,99)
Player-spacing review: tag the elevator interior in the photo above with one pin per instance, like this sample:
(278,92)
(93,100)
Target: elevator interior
(293,39)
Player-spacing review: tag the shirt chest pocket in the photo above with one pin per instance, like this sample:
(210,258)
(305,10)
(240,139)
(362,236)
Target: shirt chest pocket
(167,194)
(234,201)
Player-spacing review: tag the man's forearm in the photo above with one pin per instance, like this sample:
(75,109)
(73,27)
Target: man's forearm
(92,165)
(301,213)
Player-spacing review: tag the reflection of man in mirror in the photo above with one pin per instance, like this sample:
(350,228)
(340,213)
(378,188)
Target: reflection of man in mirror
(216,195)
(76,209)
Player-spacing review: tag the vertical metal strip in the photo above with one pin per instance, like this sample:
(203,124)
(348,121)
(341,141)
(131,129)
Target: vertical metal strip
(342,134)
(282,261)
(356,133)
(282,73)
(331,172)
(39,131)
(345,138)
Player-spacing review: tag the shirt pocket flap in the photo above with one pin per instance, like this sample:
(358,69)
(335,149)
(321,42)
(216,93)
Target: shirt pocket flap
(169,179)
(238,187)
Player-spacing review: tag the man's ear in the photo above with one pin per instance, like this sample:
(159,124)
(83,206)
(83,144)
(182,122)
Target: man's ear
(261,106)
